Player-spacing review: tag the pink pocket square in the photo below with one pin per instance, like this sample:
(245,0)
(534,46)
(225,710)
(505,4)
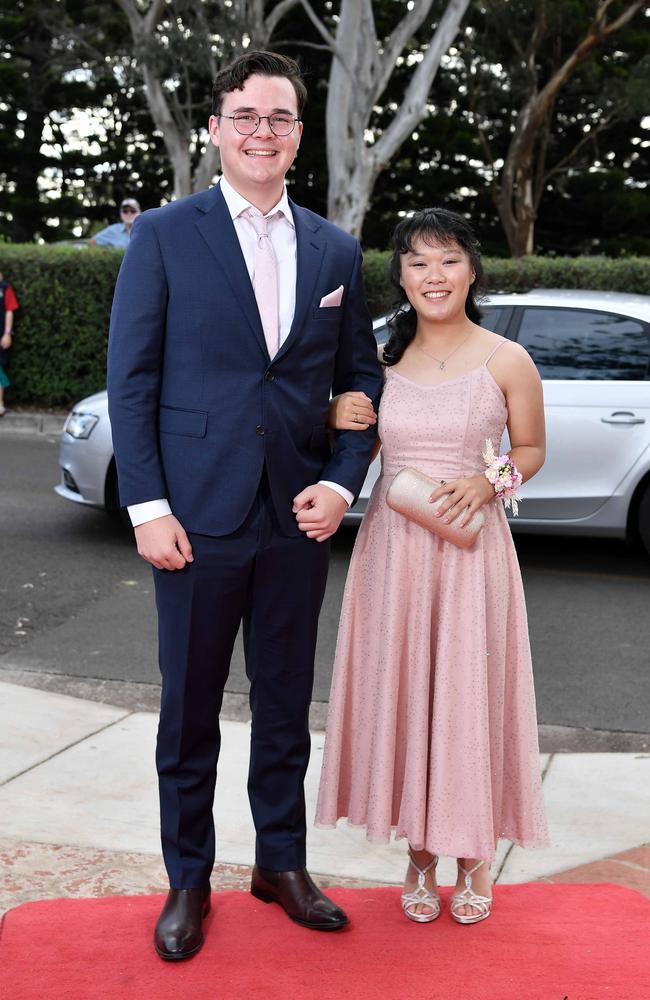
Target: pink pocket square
(332,299)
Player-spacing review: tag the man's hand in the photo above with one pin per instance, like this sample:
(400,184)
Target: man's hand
(163,543)
(5,341)
(319,511)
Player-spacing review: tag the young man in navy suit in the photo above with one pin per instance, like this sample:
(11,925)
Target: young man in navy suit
(236,313)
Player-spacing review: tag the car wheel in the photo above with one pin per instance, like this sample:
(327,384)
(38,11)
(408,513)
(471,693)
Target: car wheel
(643,519)
(112,496)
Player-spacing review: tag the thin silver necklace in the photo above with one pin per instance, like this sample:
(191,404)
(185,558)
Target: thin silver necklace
(443,361)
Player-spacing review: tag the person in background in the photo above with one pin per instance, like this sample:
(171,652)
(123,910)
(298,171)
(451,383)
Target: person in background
(8,305)
(119,234)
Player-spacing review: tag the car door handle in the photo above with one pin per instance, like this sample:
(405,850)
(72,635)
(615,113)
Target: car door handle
(623,417)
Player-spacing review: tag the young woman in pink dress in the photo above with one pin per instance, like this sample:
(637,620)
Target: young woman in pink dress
(432,728)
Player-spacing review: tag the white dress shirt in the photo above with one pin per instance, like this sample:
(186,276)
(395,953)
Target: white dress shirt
(282,232)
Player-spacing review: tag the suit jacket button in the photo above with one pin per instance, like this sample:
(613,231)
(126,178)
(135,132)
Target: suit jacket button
(260,430)
(269,377)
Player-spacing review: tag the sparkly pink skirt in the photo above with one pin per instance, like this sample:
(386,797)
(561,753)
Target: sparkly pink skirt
(432,728)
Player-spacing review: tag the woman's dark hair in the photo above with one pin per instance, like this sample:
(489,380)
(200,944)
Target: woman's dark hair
(234,76)
(436,226)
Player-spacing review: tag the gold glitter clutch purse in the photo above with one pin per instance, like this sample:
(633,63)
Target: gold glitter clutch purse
(409,493)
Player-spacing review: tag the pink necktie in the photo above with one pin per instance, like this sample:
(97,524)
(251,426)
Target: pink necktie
(265,281)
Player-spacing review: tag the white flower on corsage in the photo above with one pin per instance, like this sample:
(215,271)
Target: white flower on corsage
(502,472)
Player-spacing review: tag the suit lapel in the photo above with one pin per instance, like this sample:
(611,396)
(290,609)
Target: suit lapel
(216,227)
(310,247)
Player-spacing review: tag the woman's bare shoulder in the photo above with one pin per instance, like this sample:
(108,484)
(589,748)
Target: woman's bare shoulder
(509,354)
(514,370)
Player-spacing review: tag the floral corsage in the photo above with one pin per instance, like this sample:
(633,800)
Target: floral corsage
(502,472)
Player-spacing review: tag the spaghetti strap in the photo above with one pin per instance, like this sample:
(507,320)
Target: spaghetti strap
(502,341)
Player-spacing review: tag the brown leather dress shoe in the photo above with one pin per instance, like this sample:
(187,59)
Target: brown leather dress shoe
(179,931)
(299,898)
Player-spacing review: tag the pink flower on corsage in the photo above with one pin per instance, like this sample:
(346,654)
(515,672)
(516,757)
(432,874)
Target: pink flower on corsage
(502,472)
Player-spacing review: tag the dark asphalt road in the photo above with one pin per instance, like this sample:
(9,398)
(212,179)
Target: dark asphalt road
(76,600)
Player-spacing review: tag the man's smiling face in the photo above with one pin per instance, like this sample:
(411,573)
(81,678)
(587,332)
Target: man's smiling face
(257,164)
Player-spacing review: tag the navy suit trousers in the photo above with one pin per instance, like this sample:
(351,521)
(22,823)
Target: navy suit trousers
(275,584)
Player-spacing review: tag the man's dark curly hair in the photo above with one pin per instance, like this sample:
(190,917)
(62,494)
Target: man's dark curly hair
(234,76)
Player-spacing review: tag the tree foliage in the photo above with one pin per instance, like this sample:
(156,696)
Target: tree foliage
(79,131)
(365,55)
(77,136)
(561,56)
(591,158)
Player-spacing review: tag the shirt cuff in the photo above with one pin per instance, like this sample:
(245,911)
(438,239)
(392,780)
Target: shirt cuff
(140,513)
(341,490)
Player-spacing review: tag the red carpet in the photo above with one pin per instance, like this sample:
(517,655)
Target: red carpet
(543,942)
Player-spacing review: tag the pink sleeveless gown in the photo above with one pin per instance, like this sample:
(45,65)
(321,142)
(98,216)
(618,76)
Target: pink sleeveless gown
(432,727)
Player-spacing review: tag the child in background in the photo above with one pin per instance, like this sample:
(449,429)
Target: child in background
(8,305)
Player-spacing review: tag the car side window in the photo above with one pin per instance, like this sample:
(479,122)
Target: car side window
(584,344)
(381,334)
(490,317)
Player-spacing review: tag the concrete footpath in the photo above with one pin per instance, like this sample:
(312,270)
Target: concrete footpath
(79,809)
(78,802)
(32,422)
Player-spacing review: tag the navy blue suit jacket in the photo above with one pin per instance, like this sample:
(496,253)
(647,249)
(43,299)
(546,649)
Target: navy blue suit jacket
(197,407)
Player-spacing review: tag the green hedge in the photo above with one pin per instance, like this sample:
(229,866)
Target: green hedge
(60,335)
(620,274)
(65,294)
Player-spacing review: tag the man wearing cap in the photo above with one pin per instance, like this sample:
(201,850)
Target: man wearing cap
(119,234)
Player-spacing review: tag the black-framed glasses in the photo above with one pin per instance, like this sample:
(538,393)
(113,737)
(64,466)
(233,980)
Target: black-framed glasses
(248,122)
(128,209)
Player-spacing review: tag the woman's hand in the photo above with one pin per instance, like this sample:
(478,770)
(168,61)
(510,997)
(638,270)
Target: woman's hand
(351,411)
(5,341)
(463,498)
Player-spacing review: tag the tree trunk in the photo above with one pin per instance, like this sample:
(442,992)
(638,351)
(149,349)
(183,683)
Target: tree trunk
(176,142)
(362,67)
(515,203)
(348,205)
(349,174)
(516,198)
(207,167)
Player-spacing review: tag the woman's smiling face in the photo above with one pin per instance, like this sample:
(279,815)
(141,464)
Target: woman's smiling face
(436,279)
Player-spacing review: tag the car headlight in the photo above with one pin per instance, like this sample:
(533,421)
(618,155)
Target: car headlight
(80,425)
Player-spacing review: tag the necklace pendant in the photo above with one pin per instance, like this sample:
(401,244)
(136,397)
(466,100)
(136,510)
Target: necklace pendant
(442,366)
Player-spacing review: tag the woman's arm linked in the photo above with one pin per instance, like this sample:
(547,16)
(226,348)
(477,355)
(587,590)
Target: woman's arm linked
(352,411)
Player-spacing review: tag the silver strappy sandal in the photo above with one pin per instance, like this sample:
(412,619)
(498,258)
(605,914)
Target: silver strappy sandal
(421,896)
(467,897)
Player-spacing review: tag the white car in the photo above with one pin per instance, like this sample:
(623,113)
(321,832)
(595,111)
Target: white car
(592,350)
